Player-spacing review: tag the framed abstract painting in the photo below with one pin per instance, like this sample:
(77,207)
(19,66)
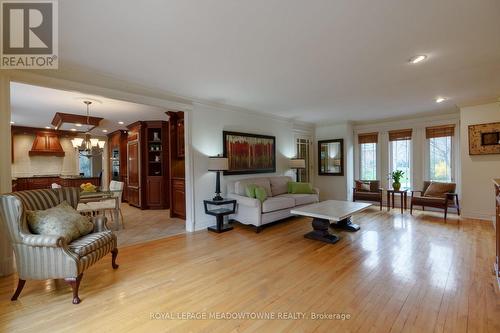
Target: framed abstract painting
(484,139)
(249,153)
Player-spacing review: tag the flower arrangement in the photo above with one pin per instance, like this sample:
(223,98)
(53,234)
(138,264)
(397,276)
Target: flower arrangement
(88,187)
(396,177)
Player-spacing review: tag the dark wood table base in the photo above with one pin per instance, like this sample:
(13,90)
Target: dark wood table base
(321,233)
(345,224)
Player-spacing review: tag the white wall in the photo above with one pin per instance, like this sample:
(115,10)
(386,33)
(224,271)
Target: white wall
(478,171)
(336,187)
(207,124)
(419,147)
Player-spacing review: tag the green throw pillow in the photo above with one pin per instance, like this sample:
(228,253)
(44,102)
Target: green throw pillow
(61,220)
(250,190)
(300,188)
(260,193)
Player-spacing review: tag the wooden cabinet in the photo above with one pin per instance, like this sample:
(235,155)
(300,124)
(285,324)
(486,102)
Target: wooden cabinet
(148,165)
(117,151)
(178,208)
(46,144)
(177,165)
(37,183)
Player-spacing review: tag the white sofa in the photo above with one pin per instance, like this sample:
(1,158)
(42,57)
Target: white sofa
(277,206)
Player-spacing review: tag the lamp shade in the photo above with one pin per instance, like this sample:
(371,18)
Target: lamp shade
(218,163)
(297,163)
(77,142)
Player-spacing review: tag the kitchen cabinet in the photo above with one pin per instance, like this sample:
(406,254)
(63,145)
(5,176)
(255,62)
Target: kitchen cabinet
(46,144)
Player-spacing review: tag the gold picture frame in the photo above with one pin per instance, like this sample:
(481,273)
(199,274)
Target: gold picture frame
(481,139)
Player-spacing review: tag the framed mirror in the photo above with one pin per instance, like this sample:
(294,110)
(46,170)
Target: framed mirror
(331,157)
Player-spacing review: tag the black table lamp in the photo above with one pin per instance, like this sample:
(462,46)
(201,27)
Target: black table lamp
(217,164)
(297,163)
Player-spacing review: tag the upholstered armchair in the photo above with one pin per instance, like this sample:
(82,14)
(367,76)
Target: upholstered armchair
(368,190)
(440,195)
(40,257)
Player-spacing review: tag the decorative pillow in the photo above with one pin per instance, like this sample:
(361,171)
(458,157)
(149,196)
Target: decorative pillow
(260,193)
(250,190)
(61,220)
(439,190)
(301,188)
(362,186)
(374,185)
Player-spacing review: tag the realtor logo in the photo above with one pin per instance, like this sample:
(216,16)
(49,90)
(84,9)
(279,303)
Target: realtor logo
(29,35)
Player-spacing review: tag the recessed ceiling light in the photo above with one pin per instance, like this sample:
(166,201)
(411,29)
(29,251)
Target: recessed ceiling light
(418,58)
(440,99)
(121,122)
(12,123)
(78,125)
(47,127)
(105,131)
(73,129)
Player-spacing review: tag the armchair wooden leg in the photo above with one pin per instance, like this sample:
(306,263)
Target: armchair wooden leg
(75,284)
(411,208)
(458,208)
(445,212)
(20,286)
(114,254)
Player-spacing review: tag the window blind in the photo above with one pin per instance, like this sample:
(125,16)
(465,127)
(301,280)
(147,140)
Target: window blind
(368,138)
(398,135)
(439,131)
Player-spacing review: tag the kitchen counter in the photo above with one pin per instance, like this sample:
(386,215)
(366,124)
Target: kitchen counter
(45,181)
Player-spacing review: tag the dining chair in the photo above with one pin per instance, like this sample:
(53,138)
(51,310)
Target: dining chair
(111,205)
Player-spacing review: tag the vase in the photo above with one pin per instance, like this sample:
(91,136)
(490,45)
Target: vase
(396,186)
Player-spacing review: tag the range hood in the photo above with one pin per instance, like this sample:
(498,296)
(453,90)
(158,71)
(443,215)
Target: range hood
(46,144)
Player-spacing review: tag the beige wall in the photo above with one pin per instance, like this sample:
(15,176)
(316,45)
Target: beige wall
(25,165)
(477,171)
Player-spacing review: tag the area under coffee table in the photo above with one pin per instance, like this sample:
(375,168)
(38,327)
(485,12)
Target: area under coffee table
(331,210)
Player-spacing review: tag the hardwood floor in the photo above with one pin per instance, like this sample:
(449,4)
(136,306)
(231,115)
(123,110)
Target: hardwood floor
(146,225)
(397,274)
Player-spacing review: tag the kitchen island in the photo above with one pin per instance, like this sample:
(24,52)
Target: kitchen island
(45,181)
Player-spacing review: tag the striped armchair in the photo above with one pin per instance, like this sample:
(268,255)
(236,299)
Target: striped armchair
(41,257)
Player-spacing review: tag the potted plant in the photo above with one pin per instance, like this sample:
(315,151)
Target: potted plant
(396,178)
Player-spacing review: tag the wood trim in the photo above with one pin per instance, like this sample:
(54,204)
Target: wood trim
(68,118)
(33,130)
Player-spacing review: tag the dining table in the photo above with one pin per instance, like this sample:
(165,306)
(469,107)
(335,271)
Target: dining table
(98,196)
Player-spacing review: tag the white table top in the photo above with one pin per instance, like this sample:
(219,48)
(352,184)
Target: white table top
(333,210)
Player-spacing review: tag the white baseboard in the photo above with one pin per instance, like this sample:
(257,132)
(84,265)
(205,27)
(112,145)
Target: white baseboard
(477,215)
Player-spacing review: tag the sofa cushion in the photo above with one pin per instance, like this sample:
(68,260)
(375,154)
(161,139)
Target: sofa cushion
(439,190)
(301,199)
(279,185)
(91,242)
(61,220)
(240,185)
(428,200)
(277,203)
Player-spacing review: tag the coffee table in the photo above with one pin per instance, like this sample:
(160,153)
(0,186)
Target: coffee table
(330,210)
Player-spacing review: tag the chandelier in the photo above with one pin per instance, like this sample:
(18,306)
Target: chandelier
(88,146)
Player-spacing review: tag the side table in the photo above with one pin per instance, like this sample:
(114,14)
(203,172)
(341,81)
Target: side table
(219,209)
(403,193)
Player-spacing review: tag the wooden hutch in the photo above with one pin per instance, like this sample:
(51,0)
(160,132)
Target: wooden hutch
(148,165)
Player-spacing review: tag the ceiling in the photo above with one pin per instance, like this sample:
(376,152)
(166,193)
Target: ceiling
(311,60)
(35,106)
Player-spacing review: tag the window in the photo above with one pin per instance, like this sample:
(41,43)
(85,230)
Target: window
(303,152)
(85,166)
(368,156)
(400,154)
(440,159)
(440,152)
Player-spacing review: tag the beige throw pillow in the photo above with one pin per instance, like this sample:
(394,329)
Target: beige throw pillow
(61,220)
(439,190)
(362,186)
